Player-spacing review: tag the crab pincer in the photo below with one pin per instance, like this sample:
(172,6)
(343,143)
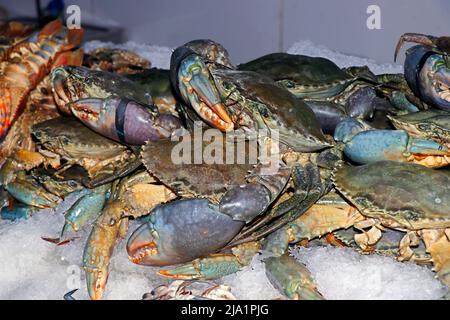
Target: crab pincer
(125,120)
(365,145)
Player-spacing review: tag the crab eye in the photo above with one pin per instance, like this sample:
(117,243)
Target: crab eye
(410,215)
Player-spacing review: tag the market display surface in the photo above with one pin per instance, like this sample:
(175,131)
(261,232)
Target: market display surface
(358,207)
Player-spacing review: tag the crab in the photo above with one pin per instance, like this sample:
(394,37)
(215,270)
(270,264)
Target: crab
(319,79)
(40,106)
(65,143)
(427,68)
(131,110)
(385,194)
(217,210)
(232,100)
(116,60)
(431,124)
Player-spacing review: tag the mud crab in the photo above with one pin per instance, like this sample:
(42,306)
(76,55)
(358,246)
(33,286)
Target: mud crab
(318,79)
(401,205)
(229,203)
(132,109)
(427,68)
(115,60)
(241,100)
(65,143)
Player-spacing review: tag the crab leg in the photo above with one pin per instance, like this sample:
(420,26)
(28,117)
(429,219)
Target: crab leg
(99,248)
(133,196)
(418,38)
(85,209)
(438,245)
(292,278)
(310,189)
(125,120)
(216,265)
(319,220)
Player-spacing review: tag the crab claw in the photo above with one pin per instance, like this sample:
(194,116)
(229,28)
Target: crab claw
(60,91)
(428,76)
(291,278)
(196,85)
(32,194)
(96,282)
(125,120)
(376,145)
(181,231)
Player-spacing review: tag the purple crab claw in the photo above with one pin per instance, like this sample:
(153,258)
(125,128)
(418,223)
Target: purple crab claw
(125,120)
(181,231)
(428,76)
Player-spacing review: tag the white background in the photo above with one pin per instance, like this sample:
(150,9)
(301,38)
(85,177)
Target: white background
(251,28)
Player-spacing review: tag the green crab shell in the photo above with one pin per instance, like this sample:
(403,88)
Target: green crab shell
(297,124)
(403,195)
(297,68)
(178,169)
(71,139)
(431,123)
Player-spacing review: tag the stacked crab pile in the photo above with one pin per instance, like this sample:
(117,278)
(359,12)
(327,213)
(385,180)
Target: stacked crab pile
(351,159)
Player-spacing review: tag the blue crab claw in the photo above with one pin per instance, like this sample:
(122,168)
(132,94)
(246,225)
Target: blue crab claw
(210,268)
(428,76)
(376,145)
(84,210)
(291,278)
(181,231)
(31,194)
(125,120)
(196,86)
